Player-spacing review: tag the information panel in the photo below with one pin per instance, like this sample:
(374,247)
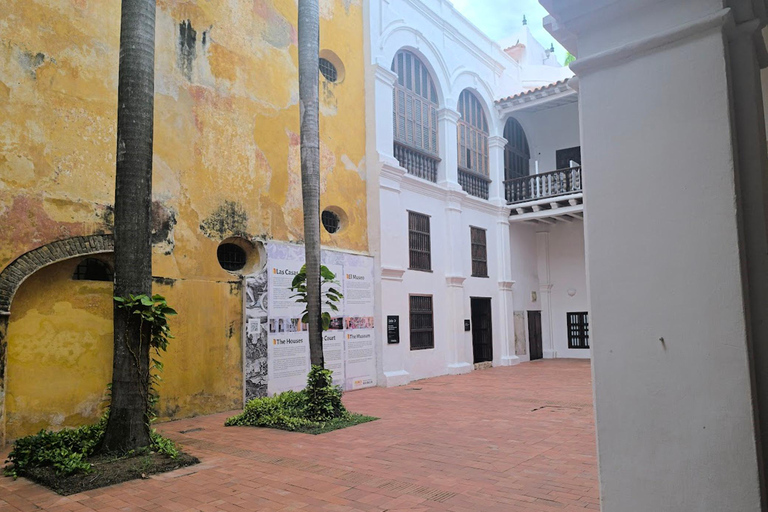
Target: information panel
(274,327)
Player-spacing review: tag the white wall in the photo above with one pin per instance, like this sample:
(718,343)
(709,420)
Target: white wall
(550,130)
(674,402)
(567,272)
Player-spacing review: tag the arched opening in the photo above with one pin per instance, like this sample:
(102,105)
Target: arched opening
(415,116)
(517,155)
(59,352)
(473,145)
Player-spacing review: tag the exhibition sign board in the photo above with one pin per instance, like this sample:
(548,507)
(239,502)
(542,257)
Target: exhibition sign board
(277,341)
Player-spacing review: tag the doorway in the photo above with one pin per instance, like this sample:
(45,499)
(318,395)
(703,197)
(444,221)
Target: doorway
(482,335)
(534,335)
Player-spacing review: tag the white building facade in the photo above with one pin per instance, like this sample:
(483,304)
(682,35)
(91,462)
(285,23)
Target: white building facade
(475,207)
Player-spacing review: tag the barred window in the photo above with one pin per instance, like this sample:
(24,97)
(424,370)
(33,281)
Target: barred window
(479,252)
(578,330)
(517,156)
(419,242)
(328,70)
(91,269)
(473,134)
(415,104)
(422,322)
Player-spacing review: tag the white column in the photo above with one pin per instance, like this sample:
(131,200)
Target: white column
(668,270)
(460,354)
(496,146)
(448,169)
(506,305)
(384,83)
(545,295)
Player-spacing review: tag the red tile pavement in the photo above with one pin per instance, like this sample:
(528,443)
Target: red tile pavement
(503,439)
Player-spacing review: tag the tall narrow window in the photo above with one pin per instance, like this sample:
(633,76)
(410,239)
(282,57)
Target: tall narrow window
(473,134)
(479,252)
(415,103)
(415,116)
(419,242)
(422,322)
(578,330)
(517,155)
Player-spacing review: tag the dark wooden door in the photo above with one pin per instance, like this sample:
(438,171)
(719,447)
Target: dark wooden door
(482,335)
(534,335)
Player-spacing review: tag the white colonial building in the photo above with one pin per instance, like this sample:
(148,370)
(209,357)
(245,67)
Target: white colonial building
(475,201)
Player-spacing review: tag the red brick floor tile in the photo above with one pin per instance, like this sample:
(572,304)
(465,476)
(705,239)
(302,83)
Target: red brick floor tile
(497,440)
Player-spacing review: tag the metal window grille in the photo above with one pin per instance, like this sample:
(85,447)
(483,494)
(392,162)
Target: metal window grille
(473,134)
(415,104)
(331,221)
(419,242)
(422,322)
(517,155)
(91,269)
(231,257)
(479,252)
(328,70)
(578,330)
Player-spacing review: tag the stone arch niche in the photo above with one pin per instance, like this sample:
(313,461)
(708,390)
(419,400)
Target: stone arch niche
(23,267)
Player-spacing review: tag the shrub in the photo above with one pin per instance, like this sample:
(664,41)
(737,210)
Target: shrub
(308,410)
(67,450)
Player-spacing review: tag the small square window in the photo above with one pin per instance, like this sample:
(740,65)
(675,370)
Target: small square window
(422,322)
(578,330)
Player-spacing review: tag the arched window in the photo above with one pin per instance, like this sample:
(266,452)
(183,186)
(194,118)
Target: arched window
(517,156)
(473,134)
(415,116)
(415,103)
(91,269)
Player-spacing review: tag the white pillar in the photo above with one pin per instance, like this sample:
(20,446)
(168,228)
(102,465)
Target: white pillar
(665,253)
(460,358)
(448,169)
(506,304)
(496,147)
(545,295)
(384,83)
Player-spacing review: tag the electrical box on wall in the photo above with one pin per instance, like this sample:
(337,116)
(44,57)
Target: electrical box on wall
(467,325)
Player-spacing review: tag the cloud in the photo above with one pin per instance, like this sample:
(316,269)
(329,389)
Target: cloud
(500,18)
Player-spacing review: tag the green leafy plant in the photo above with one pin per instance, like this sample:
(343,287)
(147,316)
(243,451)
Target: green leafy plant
(67,450)
(569,58)
(330,296)
(153,314)
(315,409)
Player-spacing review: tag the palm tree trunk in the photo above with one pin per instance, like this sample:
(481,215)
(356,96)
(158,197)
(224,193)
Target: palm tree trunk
(128,426)
(309,52)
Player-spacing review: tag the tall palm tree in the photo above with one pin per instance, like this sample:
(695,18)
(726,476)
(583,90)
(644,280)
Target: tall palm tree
(309,78)
(128,425)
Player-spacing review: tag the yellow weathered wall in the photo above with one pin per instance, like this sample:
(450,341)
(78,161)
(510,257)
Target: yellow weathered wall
(59,351)
(226,155)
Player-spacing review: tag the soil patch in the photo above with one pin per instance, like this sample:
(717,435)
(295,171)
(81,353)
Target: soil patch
(109,470)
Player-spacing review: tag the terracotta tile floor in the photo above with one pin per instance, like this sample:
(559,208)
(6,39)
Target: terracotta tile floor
(504,439)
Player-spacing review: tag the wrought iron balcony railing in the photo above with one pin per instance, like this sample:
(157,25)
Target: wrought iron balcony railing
(473,183)
(419,163)
(543,186)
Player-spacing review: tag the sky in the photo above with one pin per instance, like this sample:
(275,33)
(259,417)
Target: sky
(500,18)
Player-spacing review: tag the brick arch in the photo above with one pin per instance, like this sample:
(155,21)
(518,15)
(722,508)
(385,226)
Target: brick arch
(28,263)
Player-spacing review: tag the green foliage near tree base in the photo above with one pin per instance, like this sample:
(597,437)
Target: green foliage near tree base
(67,451)
(314,410)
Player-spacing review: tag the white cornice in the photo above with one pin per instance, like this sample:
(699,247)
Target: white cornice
(637,49)
(392,273)
(448,114)
(496,142)
(506,286)
(384,75)
(455,281)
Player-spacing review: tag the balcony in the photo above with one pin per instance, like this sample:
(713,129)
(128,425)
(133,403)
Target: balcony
(418,163)
(561,182)
(473,183)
